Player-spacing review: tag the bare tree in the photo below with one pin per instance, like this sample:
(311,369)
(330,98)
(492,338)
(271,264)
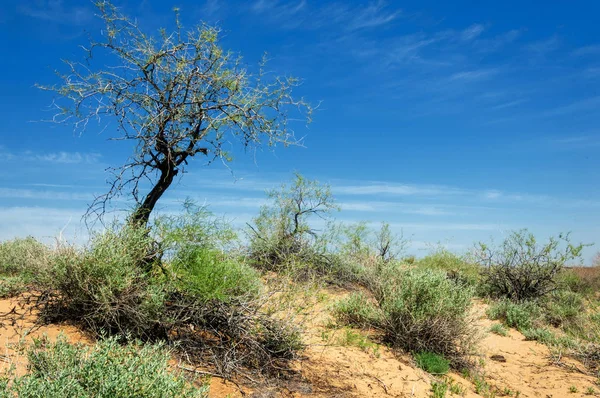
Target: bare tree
(174,95)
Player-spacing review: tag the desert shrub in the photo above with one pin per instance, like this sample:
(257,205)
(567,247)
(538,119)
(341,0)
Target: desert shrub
(543,335)
(104,287)
(211,275)
(205,303)
(358,310)
(432,363)
(521,316)
(499,329)
(195,227)
(106,369)
(583,280)
(522,269)
(426,311)
(563,308)
(281,233)
(22,262)
(456,267)
(13,285)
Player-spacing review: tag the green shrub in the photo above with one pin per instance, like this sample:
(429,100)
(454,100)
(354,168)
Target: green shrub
(105,370)
(425,311)
(204,303)
(358,311)
(564,308)
(13,285)
(23,257)
(521,269)
(499,329)
(104,287)
(439,389)
(457,268)
(432,363)
(521,316)
(542,335)
(211,275)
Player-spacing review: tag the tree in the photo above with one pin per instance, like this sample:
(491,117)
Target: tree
(282,230)
(522,269)
(174,96)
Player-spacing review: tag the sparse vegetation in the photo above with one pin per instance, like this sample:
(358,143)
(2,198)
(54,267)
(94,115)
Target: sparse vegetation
(499,329)
(105,370)
(418,310)
(522,269)
(432,363)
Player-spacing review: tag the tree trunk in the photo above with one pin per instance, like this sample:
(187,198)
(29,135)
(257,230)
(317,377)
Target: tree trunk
(142,214)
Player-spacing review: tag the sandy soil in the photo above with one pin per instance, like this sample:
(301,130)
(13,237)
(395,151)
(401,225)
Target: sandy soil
(329,367)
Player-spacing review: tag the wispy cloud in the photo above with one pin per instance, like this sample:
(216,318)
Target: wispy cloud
(543,47)
(584,105)
(15,193)
(472,32)
(509,104)
(51,157)
(473,75)
(298,14)
(587,50)
(395,189)
(56,11)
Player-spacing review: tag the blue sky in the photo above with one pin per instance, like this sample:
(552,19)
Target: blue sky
(453,121)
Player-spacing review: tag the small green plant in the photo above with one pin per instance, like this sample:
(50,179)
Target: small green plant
(432,363)
(439,389)
(590,391)
(499,329)
(358,311)
(457,389)
(573,389)
(352,338)
(521,316)
(105,370)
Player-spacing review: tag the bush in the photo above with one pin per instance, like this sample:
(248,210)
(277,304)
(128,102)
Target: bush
(104,287)
(281,234)
(521,269)
(499,329)
(563,308)
(432,363)
(426,311)
(204,303)
(358,311)
(456,267)
(23,256)
(521,316)
(417,310)
(211,275)
(105,370)
(583,280)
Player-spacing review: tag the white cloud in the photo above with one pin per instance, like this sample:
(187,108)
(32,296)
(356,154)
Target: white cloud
(61,157)
(472,32)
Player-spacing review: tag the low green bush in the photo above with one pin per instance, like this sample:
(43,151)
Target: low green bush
(457,267)
(418,310)
(432,363)
(105,370)
(564,308)
(358,311)
(499,329)
(520,316)
(23,256)
(203,302)
(211,275)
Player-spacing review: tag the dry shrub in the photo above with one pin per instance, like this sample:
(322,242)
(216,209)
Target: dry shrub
(103,289)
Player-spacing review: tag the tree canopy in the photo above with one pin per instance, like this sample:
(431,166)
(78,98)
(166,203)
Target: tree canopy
(174,95)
